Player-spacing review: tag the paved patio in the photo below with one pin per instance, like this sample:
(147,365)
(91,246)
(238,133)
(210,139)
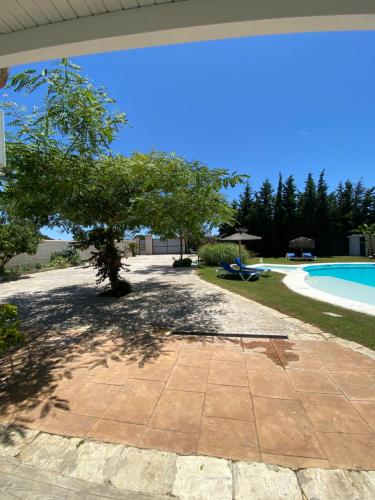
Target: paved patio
(292,403)
(106,374)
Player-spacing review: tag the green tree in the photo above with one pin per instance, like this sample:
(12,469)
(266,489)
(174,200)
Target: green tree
(263,215)
(323,215)
(245,208)
(184,199)
(279,236)
(307,209)
(16,236)
(53,175)
(289,198)
(226,229)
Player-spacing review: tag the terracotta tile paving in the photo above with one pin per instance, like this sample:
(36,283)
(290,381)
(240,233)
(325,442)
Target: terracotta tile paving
(228,402)
(200,359)
(311,381)
(349,451)
(228,438)
(284,428)
(136,401)
(164,440)
(333,413)
(292,403)
(179,411)
(367,410)
(65,423)
(93,399)
(271,385)
(116,432)
(227,373)
(188,378)
(358,386)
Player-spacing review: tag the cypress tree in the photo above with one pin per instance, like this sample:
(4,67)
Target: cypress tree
(323,216)
(245,206)
(263,215)
(279,237)
(289,198)
(307,209)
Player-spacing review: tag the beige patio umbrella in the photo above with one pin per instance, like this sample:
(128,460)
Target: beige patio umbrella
(241,236)
(302,243)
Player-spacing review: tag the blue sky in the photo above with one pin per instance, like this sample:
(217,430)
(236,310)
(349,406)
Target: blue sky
(260,105)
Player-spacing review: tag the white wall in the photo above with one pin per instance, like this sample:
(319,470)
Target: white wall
(45,249)
(48,247)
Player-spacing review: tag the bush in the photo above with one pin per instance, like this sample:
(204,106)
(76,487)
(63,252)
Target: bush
(214,253)
(9,327)
(182,262)
(58,261)
(63,258)
(133,247)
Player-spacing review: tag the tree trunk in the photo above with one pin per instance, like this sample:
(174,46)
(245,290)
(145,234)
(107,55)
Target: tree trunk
(113,259)
(181,247)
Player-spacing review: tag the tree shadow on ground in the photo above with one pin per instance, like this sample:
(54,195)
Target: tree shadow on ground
(71,328)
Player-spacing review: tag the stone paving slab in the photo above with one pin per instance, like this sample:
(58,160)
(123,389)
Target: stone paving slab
(335,485)
(264,482)
(129,473)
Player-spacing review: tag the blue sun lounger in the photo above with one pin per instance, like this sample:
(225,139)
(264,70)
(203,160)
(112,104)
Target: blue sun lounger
(308,256)
(290,256)
(244,274)
(262,270)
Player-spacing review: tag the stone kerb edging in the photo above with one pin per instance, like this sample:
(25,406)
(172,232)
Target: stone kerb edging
(42,463)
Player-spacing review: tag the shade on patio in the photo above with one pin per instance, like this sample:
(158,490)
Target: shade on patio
(241,236)
(302,243)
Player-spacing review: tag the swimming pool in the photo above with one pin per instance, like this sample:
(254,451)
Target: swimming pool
(349,285)
(363,274)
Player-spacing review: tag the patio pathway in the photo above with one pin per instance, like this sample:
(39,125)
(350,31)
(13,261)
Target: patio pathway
(162,297)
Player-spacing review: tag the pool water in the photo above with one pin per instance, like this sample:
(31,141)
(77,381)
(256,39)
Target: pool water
(350,281)
(363,274)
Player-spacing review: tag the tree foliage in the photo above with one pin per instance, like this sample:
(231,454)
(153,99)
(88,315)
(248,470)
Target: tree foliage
(61,172)
(328,217)
(16,236)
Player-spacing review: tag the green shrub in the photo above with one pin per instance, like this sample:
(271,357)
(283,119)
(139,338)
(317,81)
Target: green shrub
(133,247)
(58,261)
(9,327)
(63,258)
(182,262)
(214,253)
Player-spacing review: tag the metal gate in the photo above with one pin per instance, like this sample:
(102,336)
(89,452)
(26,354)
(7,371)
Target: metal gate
(142,247)
(165,246)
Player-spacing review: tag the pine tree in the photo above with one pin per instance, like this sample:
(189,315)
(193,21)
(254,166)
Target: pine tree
(279,237)
(228,229)
(263,216)
(245,207)
(289,198)
(323,216)
(307,209)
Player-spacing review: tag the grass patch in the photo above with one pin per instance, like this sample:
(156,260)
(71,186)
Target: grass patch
(272,292)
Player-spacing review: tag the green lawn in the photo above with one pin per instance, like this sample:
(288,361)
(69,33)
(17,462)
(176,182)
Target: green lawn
(272,292)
